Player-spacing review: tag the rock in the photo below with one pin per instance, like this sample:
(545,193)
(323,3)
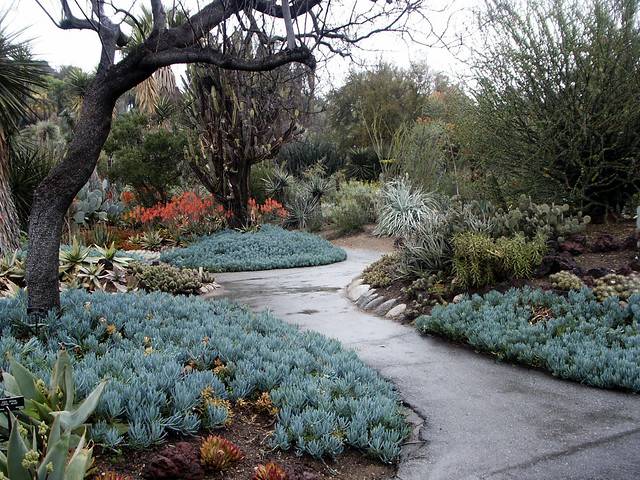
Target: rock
(458,298)
(354,284)
(386,306)
(605,242)
(574,248)
(374,303)
(366,298)
(358,291)
(598,272)
(635,264)
(175,462)
(396,311)
(556,263)
(631,242)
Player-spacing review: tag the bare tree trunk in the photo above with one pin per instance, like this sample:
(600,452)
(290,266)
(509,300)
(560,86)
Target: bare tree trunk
(9,231)
(53,198)
(239,200)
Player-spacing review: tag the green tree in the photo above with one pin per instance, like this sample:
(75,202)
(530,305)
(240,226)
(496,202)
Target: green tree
(557,100)
(146,157)
(375,103)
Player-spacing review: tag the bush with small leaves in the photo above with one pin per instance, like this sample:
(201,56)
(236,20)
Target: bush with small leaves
(217,453)
(565,280)
(268,248)
(573,336)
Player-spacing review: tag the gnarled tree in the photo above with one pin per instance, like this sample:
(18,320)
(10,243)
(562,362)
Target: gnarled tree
(307,25)
(240,119)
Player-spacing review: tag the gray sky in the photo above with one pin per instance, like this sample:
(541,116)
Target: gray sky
(82,48)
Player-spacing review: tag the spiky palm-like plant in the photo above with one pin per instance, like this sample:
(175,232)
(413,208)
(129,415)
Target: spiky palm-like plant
(20,78)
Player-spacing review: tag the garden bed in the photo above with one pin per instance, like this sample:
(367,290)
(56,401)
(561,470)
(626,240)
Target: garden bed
(268,248)
(250,432)
(181,366)
(574,337)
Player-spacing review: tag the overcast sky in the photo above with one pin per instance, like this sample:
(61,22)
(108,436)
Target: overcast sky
(82,48)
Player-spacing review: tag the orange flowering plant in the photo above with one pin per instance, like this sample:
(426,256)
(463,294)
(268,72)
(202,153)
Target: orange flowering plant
(188,213)
(271,211)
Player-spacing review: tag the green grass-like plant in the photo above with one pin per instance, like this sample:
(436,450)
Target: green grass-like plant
(574,337)
(268,248)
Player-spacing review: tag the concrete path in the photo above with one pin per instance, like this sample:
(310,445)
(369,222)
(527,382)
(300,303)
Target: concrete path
(482,419)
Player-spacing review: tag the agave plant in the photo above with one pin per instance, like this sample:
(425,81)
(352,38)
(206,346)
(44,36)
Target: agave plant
(110,254)
(72,258)
(58,420)
(404,209)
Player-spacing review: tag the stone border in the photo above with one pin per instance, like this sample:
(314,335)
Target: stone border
(369,300)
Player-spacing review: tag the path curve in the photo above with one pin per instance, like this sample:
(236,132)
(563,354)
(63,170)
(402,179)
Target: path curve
(482,419)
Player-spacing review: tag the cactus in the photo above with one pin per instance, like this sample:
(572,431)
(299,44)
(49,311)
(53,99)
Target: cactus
(566,281)
(614,285)
(529,218)
(96,201)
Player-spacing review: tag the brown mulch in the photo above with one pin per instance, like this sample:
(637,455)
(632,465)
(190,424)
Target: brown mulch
(249,432)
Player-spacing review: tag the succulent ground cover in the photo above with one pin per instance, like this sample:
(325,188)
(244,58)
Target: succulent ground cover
(178,365)
(574,337)
(268,248)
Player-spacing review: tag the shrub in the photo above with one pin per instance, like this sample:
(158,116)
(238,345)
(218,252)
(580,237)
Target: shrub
(478,260)
(268,248)
(575,337)
(162,352)
(352,206)
(165,278)
(383,272)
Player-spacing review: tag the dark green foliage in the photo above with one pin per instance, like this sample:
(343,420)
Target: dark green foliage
(574,337)
(363,164)
(159,353)
(479,260)
(268,248)
(148,160)
(165,278)
(557,94)
(298,156)
(28,167)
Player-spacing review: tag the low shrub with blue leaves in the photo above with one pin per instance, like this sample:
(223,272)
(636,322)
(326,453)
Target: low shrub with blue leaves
(574,337)
(162,356)
(268,248)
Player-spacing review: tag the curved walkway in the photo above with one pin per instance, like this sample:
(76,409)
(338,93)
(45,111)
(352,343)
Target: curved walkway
(482,419)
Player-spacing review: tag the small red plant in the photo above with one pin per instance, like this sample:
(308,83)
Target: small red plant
(270,471)
(218,453)
(127,197)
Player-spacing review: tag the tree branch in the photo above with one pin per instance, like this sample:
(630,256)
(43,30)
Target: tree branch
(215,57)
